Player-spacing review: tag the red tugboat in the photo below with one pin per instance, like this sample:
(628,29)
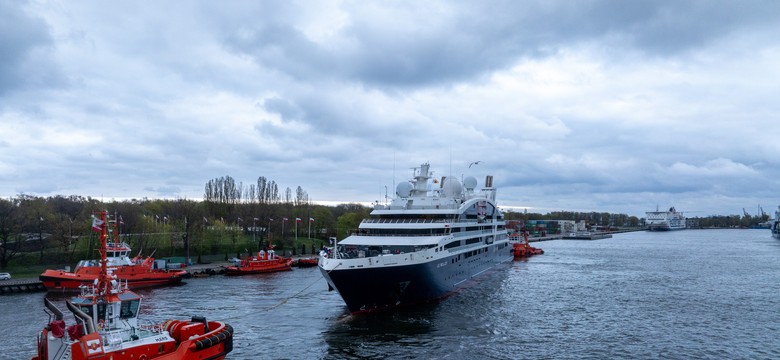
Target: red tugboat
(522,249)
(107,326)
(306,262)
(262,262)
(136,272)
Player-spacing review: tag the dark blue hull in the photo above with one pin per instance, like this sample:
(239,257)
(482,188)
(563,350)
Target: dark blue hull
(664,228)
(380,288)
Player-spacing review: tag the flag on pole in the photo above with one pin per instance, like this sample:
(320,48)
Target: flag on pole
(284,219)
(205,220)
(96,224)
(297,219)
(311,219)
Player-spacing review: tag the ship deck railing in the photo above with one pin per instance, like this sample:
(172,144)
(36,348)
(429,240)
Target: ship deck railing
(436,205)
(458,234)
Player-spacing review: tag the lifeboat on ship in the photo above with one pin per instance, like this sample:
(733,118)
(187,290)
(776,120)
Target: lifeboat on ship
(136,272)
(261,262)
(523,249)
(107,326)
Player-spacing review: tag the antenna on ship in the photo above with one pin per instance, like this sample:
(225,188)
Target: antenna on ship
(393,169)
(450,174)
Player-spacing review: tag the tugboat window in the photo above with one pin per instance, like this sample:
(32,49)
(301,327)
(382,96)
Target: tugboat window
(129,309)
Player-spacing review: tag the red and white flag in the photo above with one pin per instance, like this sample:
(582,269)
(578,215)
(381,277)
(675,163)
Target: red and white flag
(297,219)
(311,219)
(284,219)
(97,224)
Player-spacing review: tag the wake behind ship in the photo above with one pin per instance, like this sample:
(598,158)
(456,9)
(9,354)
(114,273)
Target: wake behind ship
(428,242)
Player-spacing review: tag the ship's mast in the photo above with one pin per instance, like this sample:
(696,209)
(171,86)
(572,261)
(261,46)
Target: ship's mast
(421,180)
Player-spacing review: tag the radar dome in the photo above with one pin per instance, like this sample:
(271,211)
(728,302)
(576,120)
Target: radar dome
(470,183)
(452,187)
(403,189)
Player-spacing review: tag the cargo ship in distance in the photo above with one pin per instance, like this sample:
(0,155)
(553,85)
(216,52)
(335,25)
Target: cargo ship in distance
(427,243)
(665,220)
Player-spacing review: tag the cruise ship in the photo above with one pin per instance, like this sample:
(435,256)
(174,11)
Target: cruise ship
(665,220)
(431,240)
(776,224)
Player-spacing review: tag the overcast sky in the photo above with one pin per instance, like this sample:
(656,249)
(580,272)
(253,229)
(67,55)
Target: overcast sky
(617,106)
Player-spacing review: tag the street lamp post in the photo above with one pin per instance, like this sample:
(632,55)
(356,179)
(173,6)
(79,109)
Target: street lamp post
(254,230)
(268,231)
(187,243)
(284,220)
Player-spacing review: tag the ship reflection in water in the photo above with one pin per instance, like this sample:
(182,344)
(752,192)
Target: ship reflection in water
(671,295)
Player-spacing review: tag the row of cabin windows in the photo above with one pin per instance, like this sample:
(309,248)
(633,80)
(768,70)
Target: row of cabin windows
(425,232)
(469,214)
(361,251)
(456,243)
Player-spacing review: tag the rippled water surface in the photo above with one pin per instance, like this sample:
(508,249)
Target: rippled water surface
(679,295)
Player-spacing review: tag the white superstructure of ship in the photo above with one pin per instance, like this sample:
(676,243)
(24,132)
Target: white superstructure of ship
(665,220)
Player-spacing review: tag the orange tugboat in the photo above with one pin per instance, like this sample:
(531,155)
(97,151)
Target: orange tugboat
(306,262)
(136,272)
(262,262)
(107,326)
(522,249)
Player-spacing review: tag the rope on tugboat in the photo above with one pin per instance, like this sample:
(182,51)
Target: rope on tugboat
(299,292)
(280,303)
(284,300)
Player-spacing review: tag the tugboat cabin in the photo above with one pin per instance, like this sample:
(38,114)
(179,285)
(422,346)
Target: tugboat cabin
(122,311)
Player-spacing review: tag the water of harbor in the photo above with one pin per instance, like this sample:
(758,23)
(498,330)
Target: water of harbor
(692,294)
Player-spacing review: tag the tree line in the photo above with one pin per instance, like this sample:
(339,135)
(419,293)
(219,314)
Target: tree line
(602,219)
(231,218)
(605,219)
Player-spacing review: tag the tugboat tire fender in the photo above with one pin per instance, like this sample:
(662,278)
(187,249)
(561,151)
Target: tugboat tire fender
(215,339)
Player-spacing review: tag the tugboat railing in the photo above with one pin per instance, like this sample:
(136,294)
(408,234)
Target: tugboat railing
(56,312)
(80,315)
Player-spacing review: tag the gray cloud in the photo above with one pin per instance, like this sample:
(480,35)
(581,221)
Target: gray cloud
(25,46)
(593,105)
